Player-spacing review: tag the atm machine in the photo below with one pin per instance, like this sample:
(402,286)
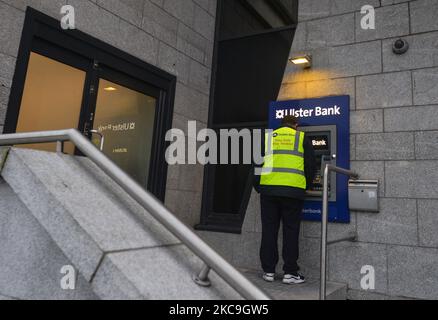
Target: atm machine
(326,122)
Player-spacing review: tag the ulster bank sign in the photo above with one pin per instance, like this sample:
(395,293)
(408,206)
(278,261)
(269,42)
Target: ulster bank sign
(307,113)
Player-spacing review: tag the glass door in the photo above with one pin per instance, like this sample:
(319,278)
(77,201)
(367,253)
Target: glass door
(125,117)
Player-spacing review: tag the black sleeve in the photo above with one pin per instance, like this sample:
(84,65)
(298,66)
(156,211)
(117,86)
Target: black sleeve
(309,162)
(256,178)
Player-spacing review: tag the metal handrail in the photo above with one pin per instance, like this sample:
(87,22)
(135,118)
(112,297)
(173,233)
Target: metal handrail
(210,257)
(328,168)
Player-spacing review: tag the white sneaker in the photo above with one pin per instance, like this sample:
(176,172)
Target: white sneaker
(269,277)
(293,279)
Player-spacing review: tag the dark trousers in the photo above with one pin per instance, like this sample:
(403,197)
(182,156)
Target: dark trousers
(289,211)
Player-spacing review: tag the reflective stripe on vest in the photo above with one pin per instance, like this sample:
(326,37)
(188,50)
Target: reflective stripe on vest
(284,159)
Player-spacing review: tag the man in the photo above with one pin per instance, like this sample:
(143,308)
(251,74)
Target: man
(288,169)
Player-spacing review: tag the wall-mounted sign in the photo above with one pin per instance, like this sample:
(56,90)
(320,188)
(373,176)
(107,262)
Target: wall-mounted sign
(326,122)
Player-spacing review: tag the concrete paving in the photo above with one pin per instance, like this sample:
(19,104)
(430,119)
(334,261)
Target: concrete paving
(306,291)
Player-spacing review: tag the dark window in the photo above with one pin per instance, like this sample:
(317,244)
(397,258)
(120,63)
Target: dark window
(253,41)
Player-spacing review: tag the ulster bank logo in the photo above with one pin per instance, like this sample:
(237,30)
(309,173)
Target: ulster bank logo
(279,114)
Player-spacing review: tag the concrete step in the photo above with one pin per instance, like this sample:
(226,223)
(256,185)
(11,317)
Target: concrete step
(117,248)
(306,291)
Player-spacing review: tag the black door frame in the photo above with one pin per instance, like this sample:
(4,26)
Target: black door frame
(43,35)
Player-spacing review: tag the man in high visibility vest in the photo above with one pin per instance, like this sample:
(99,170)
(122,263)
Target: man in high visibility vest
(288,170)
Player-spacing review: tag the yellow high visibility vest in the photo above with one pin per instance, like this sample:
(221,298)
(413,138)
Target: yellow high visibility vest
(284,159)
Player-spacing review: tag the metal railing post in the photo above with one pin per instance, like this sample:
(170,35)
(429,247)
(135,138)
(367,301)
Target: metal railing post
(324,224)
(202,278)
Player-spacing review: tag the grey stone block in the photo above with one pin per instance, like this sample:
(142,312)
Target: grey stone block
(366,121)
(423,15)
(50,7)
(252,221)
(191,103)
(396,223)
(342,6)
(158,2)
(212,7)
(384,90)
(391,2)
(199,77)
(312,9)
(204,4)
(365,295)
(30,261)
(156,233)
(291,91)
(428,220)
(182,10)
(97,22)
(129,10)
(138,43)
(422,53)
(309,260)
(192,43)
(7,67)
(160,24)
(186,205)
(390,22)
(411,179)
(246,252)
(385,146)
(352,147)
(425,86)
(300,39)
(371,170)
(411,118)
(335,230)
(158,274)
(412,272)
(204,23)
(11,24)
(191,178)
(223,243)
(78,246)
(330,31)
(4,98)
(332,87)
(347,259)
(426,145)
(108,223)
(354,60)
(174,62)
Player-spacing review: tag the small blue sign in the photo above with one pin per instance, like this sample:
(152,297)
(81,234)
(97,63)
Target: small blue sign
(329,111)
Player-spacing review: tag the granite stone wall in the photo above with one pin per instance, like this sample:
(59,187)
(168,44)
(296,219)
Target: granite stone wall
(174,35)
(394,126)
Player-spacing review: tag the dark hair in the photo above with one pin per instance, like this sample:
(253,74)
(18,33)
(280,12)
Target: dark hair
(290,121)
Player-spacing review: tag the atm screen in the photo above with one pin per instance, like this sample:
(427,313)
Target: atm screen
(320,142)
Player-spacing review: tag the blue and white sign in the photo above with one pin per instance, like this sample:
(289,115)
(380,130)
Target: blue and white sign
(323,112)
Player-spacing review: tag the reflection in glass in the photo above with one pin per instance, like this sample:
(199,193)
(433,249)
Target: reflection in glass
(126,119)
(51,100)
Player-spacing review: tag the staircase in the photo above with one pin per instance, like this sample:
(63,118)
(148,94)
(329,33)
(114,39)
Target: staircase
(58,210)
